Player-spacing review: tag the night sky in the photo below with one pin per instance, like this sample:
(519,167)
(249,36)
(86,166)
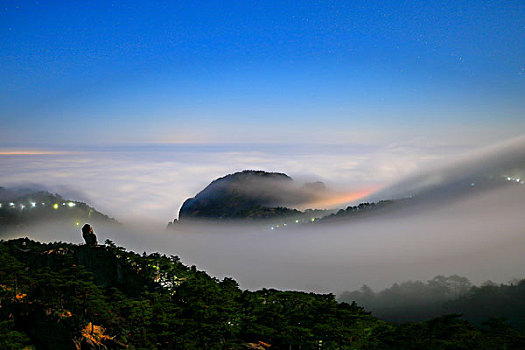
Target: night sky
(337,72)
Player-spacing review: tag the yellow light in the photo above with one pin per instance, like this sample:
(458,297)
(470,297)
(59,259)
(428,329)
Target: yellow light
(55,206)
(77,223)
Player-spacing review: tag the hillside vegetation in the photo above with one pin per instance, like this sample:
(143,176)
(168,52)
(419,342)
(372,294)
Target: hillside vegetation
(65,296)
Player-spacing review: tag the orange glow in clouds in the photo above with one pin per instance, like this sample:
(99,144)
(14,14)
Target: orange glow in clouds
(338,199)
(29,152)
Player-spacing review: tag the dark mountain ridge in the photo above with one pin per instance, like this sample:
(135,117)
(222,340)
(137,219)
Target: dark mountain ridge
(249,194)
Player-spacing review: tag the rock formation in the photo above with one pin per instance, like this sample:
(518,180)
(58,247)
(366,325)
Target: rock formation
(89,235)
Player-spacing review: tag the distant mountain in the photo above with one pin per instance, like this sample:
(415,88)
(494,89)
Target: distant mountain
(416,301)
(266,195)
(360,211)
(250,194)
(427,200)
(21,208)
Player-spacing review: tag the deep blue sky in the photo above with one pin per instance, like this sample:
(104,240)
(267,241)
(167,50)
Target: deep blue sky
(259,71)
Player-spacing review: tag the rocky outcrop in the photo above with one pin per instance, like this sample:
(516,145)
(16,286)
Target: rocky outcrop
(89,235)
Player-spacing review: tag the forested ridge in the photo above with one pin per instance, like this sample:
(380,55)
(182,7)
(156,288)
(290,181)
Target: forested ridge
(418,300)
(66,296)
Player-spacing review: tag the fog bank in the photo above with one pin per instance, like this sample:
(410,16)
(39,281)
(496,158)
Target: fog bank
(480,238)
(479,234)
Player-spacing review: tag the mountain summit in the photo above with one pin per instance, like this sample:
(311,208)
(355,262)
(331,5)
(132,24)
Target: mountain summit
(250,193)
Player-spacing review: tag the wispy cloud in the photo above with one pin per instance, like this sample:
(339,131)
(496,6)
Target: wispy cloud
(21,152)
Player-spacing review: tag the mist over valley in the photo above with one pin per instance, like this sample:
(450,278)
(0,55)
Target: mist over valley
(462,219)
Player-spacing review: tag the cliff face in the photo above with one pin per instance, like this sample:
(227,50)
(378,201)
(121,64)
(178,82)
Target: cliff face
(241,195)
(108,270)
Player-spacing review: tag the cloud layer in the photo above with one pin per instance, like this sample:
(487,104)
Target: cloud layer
(150,183)
(479,236)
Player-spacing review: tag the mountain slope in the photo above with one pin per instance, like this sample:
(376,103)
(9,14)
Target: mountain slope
(22,209)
